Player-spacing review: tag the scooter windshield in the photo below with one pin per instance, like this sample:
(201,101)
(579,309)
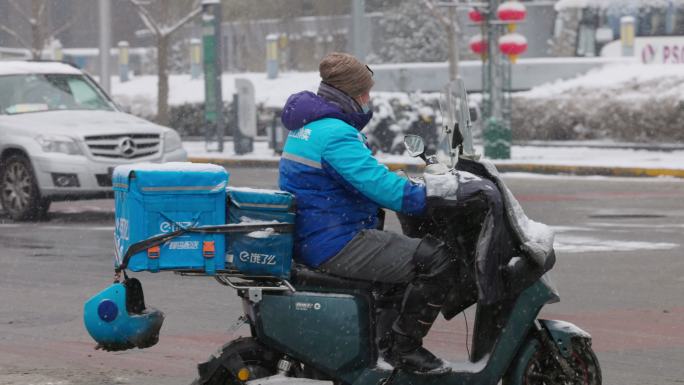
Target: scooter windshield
(456,123)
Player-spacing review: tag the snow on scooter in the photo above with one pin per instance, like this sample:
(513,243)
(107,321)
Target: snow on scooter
(319,329)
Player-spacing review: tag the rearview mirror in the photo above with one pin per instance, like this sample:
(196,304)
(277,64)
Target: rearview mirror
(415,145)
(473,114)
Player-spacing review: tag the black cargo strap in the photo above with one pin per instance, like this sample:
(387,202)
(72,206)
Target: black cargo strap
(219,229)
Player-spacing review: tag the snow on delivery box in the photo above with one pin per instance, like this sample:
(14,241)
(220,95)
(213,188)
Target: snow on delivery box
(264,252)
(154,199)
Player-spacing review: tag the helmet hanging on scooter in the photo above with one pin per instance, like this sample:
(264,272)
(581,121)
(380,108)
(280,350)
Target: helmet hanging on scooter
(117,318)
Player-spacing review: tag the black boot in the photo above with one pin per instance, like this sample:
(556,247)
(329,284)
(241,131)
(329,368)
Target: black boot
(408,353)
(418,313)
(423,300)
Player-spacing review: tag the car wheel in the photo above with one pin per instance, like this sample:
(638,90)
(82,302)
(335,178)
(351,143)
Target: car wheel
(19,192)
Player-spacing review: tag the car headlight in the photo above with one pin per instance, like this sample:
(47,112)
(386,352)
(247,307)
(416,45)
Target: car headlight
(56,143)
(172,141)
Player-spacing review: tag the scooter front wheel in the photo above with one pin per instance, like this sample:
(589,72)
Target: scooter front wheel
(536,366)
(255,361)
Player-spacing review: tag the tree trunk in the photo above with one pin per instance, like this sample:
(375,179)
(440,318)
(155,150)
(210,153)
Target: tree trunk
(37,39)
(163,79)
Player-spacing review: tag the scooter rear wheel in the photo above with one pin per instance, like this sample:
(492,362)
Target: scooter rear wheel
(257,362)
(536,366)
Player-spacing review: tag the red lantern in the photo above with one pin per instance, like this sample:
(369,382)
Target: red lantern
(478,44)
(513,45)
(475,16)
(511,12)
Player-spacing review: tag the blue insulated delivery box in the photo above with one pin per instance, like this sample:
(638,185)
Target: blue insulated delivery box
(153,199)
(262,252)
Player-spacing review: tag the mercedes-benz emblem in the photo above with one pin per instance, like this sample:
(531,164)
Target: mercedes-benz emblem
(127,147)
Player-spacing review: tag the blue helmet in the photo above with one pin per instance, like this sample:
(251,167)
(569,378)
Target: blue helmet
(117,319)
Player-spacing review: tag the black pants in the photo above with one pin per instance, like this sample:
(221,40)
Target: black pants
(375,256)
(423,267)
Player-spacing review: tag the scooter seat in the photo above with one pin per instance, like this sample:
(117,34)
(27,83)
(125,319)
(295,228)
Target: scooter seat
(303,276)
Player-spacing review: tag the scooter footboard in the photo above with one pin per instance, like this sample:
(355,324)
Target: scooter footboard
(562,333)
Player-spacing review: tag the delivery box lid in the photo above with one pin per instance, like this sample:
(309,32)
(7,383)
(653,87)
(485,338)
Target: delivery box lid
(171,178)
(260,199)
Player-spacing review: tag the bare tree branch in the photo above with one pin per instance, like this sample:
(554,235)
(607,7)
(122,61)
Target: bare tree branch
(64,27)
(16,6)
(147,19)
(431,7)
(181,22)
(37,21)
(68,24)
(15,35)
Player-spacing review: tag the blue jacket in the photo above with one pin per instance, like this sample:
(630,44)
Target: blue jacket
(338,185)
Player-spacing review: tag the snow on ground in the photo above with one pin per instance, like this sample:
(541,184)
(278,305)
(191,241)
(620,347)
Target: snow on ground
(581,243)
(562,156)
(596,157)
(660,81)
(588,178)
(142,90)
(669,80)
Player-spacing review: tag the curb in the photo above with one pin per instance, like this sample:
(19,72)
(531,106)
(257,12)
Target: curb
(590,170)
(503,167)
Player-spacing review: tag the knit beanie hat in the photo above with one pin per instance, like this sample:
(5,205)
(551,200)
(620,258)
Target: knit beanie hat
(346,73)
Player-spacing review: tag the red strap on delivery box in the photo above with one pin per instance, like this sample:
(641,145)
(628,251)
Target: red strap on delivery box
(208,249)
(153,252)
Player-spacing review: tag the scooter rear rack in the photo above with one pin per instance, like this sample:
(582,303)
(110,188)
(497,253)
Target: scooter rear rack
(239,281)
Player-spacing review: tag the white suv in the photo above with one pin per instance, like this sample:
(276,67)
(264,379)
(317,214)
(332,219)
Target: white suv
(61,136)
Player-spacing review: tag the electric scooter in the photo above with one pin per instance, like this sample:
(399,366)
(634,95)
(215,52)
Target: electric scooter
(319,329)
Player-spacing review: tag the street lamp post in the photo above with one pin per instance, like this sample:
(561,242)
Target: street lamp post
(213,98)
(496,69)
(496,129)
(105,12)
(492,45)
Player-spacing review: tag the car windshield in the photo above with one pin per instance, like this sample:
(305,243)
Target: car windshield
(48,92)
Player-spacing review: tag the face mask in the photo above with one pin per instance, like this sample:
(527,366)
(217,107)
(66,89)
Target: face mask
(366,108)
